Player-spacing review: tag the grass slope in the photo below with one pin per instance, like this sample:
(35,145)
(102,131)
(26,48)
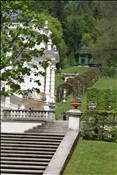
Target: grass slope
(93,158)
(60,107)
(106,83)
(101,83)
(90,157)
(59,80)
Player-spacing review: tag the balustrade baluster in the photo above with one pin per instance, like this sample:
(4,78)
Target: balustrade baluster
(19,114)
(15,114)
(44,114)
(47,113)
(23,116)
(26,114)
(9,114)
(35,115)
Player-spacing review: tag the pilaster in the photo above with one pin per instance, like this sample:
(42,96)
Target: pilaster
(47,84)
(52,89)
(7,103)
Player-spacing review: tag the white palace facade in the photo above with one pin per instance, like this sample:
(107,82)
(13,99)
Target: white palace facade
(46,97)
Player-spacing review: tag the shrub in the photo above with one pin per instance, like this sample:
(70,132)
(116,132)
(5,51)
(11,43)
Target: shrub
(109,71)
(100,125)
(79,84)
(102,98)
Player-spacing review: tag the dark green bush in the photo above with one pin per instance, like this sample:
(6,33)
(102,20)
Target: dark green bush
(109,71)
(102,98)
(100,125)
(79,84)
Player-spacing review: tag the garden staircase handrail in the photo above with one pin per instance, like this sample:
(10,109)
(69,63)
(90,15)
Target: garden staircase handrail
(26,114)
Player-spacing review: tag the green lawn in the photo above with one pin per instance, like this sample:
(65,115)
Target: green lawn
(90,157)
(73,69)
(101,83)
(60,107)
(93,158)
(106,83)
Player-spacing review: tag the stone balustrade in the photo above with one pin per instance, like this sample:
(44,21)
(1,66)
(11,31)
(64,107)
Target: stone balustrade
(27,114)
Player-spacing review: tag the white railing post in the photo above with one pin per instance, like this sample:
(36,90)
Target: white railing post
(74,119)
(75,114)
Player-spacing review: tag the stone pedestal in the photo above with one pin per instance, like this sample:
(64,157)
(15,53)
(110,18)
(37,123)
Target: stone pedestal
(74,119)
(51,116)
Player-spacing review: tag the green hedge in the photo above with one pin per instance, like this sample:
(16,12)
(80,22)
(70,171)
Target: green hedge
(102,98)
(100,125)
(109,71)
(79,84)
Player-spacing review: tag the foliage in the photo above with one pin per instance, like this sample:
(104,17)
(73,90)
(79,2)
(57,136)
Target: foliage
(100,125)
(109,71)
(106,82)
(56,29)
(19,46)
(92,23)
(59,73)
(57,12)
(102,98)
(80,24)
(75,28)
(79,84)
(104,47)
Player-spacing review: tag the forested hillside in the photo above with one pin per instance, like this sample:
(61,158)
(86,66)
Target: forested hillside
(78,23)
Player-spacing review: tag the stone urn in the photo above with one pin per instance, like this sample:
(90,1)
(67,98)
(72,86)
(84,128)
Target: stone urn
(76,102)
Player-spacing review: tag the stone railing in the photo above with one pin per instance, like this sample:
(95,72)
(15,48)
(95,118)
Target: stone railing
(27,114)
(70,74)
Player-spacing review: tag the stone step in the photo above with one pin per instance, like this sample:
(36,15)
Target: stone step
(45,130)
(25,155)
(29,140)
(38,167)
(11,162)
(52,127)
(34,137)
(21,171)
(27,148)
(56,129)
(32,134)
(56,139)
(27,152)
(25,159)
(31,145)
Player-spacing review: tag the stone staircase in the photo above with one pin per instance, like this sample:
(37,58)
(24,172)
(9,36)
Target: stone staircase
(51,127)
(30,152)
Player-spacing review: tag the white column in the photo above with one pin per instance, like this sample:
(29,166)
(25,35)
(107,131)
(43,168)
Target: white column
(52,92)
(49,44)
(7,103)
(47,85)
(64,92)
(42,80)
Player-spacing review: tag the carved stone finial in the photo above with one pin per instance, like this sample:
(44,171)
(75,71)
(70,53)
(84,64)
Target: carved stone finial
(54,46)
(46,24)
